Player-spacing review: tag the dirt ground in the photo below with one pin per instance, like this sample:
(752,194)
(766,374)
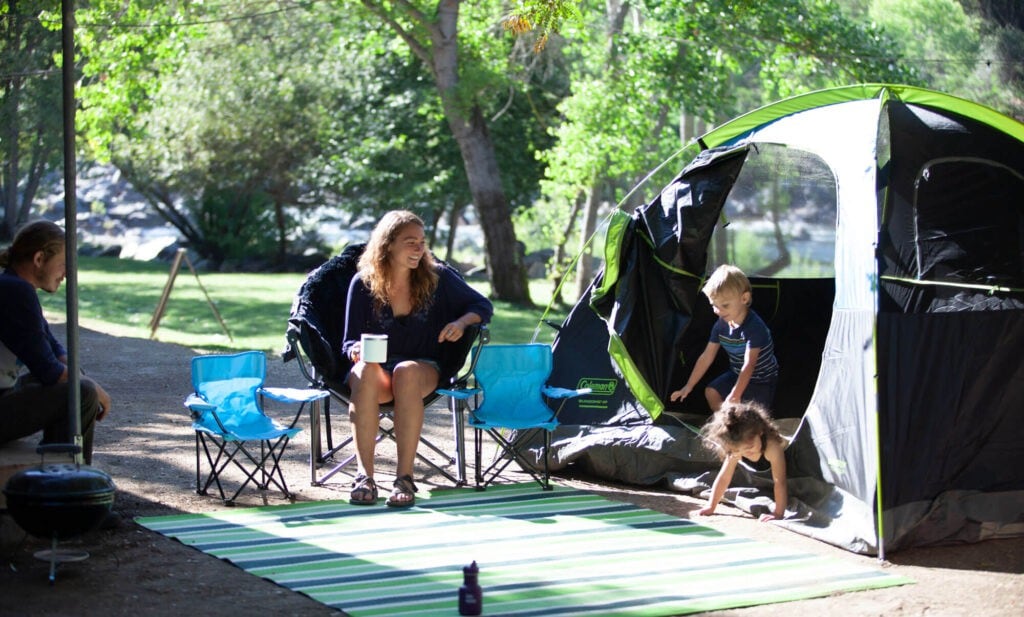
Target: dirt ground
(146,445)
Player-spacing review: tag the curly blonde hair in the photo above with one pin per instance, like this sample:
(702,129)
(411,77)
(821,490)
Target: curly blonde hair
(373,264)
(735,423)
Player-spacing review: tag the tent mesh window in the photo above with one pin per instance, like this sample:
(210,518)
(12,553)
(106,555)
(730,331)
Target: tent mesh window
(780,217)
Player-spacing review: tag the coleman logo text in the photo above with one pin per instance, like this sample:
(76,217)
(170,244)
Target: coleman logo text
(599,387)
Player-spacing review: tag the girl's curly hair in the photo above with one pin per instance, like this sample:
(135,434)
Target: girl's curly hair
(373,264)
(735,423)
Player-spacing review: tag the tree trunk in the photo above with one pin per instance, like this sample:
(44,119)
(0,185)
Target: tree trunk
(280,221)
(12,145)
(505,266)
(454,214)
(585,269)
(560,260)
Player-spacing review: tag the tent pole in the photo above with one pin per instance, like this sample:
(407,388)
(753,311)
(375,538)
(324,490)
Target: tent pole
(70,221)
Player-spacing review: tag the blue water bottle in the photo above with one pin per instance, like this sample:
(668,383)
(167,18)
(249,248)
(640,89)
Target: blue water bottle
(471,597)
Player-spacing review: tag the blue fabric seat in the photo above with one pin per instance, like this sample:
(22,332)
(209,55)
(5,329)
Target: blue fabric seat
(512,396)
(231,427)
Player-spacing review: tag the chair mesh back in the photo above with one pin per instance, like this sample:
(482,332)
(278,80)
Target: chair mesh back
(512,377)
(230,383)
(228,366)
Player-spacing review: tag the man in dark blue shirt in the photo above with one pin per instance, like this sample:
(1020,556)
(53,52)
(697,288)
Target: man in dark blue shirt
(38,399)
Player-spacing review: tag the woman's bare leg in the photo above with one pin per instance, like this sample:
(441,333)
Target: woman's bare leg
(371,386)
(412,381)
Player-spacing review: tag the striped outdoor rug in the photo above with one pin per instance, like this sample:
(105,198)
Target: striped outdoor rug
(563,552)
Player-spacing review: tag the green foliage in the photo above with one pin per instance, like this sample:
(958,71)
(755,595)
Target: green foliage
(245,103)
(388,143)
(541,226)
(241,221)
(955,52)
(31,127)
(126,48)
(545,16)
(634,87)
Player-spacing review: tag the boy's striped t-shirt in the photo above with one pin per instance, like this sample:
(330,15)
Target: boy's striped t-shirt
(753,333)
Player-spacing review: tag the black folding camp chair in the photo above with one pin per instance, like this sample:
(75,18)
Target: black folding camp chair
(314,335)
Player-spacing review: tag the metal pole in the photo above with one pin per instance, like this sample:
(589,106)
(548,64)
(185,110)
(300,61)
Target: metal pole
(71,220)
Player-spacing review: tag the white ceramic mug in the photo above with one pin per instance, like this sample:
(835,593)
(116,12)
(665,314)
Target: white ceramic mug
(375,348)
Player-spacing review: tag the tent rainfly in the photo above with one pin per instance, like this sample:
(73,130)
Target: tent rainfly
(882,227)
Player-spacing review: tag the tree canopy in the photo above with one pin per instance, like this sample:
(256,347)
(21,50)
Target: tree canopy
(251,126)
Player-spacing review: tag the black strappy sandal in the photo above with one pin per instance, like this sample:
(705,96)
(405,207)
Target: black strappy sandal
(364,491)
(404,493)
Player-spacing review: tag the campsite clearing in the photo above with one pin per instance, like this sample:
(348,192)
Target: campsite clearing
(147,446)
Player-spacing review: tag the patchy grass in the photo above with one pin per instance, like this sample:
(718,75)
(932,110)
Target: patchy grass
(120,297)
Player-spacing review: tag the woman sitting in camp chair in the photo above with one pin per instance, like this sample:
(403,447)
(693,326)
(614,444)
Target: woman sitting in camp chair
(401,292)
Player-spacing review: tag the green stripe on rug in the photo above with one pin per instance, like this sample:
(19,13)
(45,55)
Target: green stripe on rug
(559,552)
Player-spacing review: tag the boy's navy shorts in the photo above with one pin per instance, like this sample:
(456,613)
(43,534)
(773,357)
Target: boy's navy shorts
(757,392)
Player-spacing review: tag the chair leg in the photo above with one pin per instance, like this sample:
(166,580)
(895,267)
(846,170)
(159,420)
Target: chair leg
(325,455)
(197,463)
(544,453)
(268,453)
(263,472)
(322,456)
(389,433)
(275,453)
(459,430)
(327,425)
(217,465)
(257,474)
(478,451)
(498,465)
(509,452)
(314,441)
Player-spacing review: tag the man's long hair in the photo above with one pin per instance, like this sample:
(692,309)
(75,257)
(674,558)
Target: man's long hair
(36,236)
(373,265)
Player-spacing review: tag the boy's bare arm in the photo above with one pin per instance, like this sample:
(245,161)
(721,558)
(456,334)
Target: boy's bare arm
(703,363)
(699,368)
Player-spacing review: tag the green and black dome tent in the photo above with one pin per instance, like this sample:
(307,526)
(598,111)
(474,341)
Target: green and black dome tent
(883,229)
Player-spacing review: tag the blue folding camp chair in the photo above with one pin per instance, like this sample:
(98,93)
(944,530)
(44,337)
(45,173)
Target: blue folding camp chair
(511,394)
(229,420)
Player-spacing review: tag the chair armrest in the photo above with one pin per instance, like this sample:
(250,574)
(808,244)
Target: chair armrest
(202,411)
(198,403)
(553,392)
(296,346)
(461,394)
(294,395)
